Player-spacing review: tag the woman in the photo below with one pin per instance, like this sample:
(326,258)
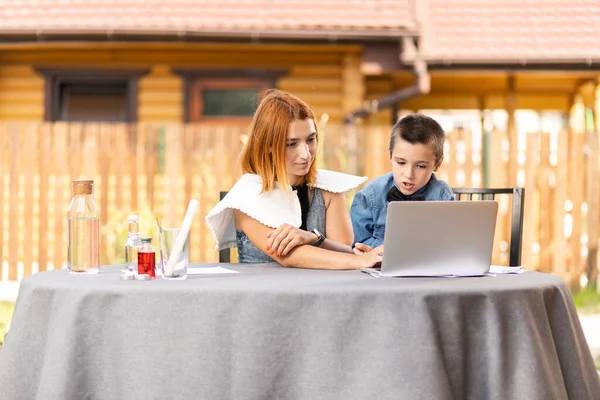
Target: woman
(282,209)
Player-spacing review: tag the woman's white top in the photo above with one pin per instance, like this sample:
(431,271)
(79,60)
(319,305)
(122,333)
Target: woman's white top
(272,208)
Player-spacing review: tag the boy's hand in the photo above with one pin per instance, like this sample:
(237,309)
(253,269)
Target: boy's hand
(361,248)
(377,250)
(373,257)
(283,239)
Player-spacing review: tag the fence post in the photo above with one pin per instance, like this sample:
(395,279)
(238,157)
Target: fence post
(560,198)
(593,207)
(531,213)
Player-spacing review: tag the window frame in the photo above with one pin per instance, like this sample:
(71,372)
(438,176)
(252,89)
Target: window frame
(201,84)
(54,78)
(197,80)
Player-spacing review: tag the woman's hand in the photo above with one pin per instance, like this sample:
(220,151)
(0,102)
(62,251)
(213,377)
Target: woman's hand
(361,248)
(283,239)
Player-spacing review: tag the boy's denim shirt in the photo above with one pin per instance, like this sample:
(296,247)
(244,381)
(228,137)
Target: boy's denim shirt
(369,207)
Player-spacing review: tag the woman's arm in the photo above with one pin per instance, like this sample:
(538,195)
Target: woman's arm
(337,218)
(304,256)
(337,221)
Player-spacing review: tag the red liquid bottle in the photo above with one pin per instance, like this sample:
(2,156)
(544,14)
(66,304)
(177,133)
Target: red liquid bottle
(147,258)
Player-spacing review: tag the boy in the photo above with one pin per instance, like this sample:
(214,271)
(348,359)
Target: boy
(416,152)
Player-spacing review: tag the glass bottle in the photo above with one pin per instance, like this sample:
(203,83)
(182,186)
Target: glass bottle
(147,258)
(84,229)
(133,242)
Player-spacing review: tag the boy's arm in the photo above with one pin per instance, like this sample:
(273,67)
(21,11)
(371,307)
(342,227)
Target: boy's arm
(448,194)
(362,219)
(443,192)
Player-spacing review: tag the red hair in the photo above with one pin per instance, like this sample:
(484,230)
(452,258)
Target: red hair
(264,152)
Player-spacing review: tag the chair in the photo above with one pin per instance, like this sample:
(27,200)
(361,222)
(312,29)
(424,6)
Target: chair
(518,203)
(225,254)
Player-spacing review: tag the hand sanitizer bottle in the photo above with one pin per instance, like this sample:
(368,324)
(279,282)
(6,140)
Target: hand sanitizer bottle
(133,243)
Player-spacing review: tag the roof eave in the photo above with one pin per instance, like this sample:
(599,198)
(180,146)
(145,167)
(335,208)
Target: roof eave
(512,62)
(331,35)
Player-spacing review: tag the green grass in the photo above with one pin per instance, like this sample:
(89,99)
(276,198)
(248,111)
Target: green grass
(587,301)
(6,311)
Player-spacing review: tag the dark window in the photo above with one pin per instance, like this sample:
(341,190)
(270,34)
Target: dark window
(229,102)
(93,101)
(222,99)
(91,95)
(228,96)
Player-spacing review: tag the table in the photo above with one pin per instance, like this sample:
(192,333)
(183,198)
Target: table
(276,333)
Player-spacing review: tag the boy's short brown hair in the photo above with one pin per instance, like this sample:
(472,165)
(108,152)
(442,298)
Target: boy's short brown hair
(419,128)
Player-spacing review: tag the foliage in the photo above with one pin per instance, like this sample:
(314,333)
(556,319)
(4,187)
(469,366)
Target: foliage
(587,301)
(114,232)
(6,311)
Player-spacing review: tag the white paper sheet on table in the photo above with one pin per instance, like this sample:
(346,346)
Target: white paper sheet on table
(501,269)
(206,271)
(210,271)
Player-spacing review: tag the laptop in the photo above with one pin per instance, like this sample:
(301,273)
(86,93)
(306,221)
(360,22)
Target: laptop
(438,238)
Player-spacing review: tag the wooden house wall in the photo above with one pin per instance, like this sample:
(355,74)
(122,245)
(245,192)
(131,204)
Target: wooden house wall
(327,77)
(160,96)
(21,94)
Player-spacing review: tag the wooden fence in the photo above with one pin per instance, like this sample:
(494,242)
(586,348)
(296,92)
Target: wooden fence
(156,169)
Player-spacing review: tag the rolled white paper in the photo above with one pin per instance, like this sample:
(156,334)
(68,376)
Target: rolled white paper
(182,235)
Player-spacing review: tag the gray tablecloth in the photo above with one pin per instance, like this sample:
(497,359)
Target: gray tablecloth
(276,333)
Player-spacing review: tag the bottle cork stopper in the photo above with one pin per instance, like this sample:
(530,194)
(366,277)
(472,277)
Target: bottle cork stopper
(83,186)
